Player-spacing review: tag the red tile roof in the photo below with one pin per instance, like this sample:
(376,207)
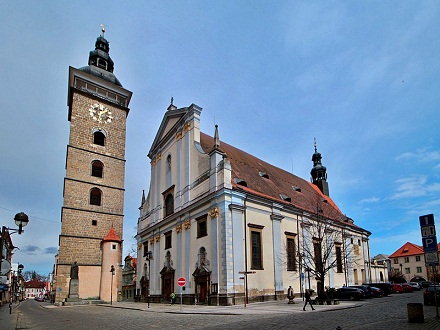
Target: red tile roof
(249,168)
(34,283)
(407,249)
(111,236)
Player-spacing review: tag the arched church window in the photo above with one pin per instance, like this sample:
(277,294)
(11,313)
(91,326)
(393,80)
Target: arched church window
(169,204)
(97,168)
(95,196)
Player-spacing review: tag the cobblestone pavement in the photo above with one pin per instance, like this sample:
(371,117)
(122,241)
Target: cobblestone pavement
(380,313)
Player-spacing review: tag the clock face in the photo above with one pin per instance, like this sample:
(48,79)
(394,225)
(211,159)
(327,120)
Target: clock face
(100,113)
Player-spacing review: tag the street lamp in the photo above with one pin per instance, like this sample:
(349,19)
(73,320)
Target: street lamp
(112,270)
(21,220)
(149,258)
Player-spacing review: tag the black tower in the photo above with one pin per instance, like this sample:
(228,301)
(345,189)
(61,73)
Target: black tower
(319,173)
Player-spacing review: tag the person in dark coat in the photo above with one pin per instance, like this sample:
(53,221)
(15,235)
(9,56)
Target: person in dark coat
(308,300)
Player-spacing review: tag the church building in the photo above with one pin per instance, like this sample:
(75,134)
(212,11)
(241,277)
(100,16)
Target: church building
(90,243)
(235,227)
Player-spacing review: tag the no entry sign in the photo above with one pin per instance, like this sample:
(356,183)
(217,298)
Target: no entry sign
(181,281)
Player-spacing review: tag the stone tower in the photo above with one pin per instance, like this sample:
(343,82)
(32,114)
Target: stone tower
(95,167)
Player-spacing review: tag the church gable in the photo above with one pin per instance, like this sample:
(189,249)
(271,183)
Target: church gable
(168,127)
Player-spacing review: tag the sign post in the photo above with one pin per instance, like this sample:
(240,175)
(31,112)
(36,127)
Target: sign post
(245,284)
(181,282)
(429,239)
(430,248)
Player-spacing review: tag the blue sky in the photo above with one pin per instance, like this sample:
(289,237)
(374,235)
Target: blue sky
(360,77)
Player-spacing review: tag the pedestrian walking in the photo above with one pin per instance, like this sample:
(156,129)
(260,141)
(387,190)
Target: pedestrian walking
(308,300)
(290,295)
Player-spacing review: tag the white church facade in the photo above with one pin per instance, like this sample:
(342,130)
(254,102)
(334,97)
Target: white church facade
(236,227)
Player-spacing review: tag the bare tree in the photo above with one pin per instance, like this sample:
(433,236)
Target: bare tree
(32,275)
(323,243)
(396,276)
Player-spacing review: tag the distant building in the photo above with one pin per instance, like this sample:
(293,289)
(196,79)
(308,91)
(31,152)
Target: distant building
(6,252)
(35,288)
(129,278)
(410,261)
(380,268)
(236,227)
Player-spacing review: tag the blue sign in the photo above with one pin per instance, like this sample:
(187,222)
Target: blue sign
(429,244)
(4,287)
(426,220)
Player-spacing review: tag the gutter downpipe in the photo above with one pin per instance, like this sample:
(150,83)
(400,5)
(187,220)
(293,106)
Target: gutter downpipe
(345,257)
(369,259)
(245,255)
(300,259)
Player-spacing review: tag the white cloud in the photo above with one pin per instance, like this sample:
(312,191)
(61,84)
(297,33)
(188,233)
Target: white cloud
(369,200)
(421,155)
(415,186)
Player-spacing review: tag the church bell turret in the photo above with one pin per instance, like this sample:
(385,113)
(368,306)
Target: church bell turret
(319,173)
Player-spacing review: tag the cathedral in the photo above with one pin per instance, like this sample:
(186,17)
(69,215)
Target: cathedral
(235,227)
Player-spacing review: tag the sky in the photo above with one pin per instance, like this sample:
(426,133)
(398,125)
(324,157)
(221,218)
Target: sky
(362,77)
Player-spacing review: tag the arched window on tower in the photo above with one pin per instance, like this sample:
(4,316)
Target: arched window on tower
(169,204)
(95,196)
(97,168)
(99,138)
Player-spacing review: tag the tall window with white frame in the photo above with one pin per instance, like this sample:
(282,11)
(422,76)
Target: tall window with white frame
(202,227)
(338,253)
(256,246)
(291,253)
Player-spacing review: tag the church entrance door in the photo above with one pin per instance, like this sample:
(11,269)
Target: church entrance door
(203,290)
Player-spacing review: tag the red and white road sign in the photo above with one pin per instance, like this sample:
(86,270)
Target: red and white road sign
(181,281)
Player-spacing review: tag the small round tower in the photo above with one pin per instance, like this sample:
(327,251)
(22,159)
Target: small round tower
(110,272)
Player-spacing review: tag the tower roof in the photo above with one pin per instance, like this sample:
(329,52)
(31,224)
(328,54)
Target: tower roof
(319,172)
(112,236)
(100,63)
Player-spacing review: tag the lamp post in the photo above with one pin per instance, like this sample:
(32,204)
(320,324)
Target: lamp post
(20,282)
(308,275)
(112,270)
(149,258)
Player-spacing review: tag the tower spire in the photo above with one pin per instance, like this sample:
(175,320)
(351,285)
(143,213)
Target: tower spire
(102,30)
(319,172)
(216,138)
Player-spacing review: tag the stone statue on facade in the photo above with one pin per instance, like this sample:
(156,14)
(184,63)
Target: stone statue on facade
(74,271)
